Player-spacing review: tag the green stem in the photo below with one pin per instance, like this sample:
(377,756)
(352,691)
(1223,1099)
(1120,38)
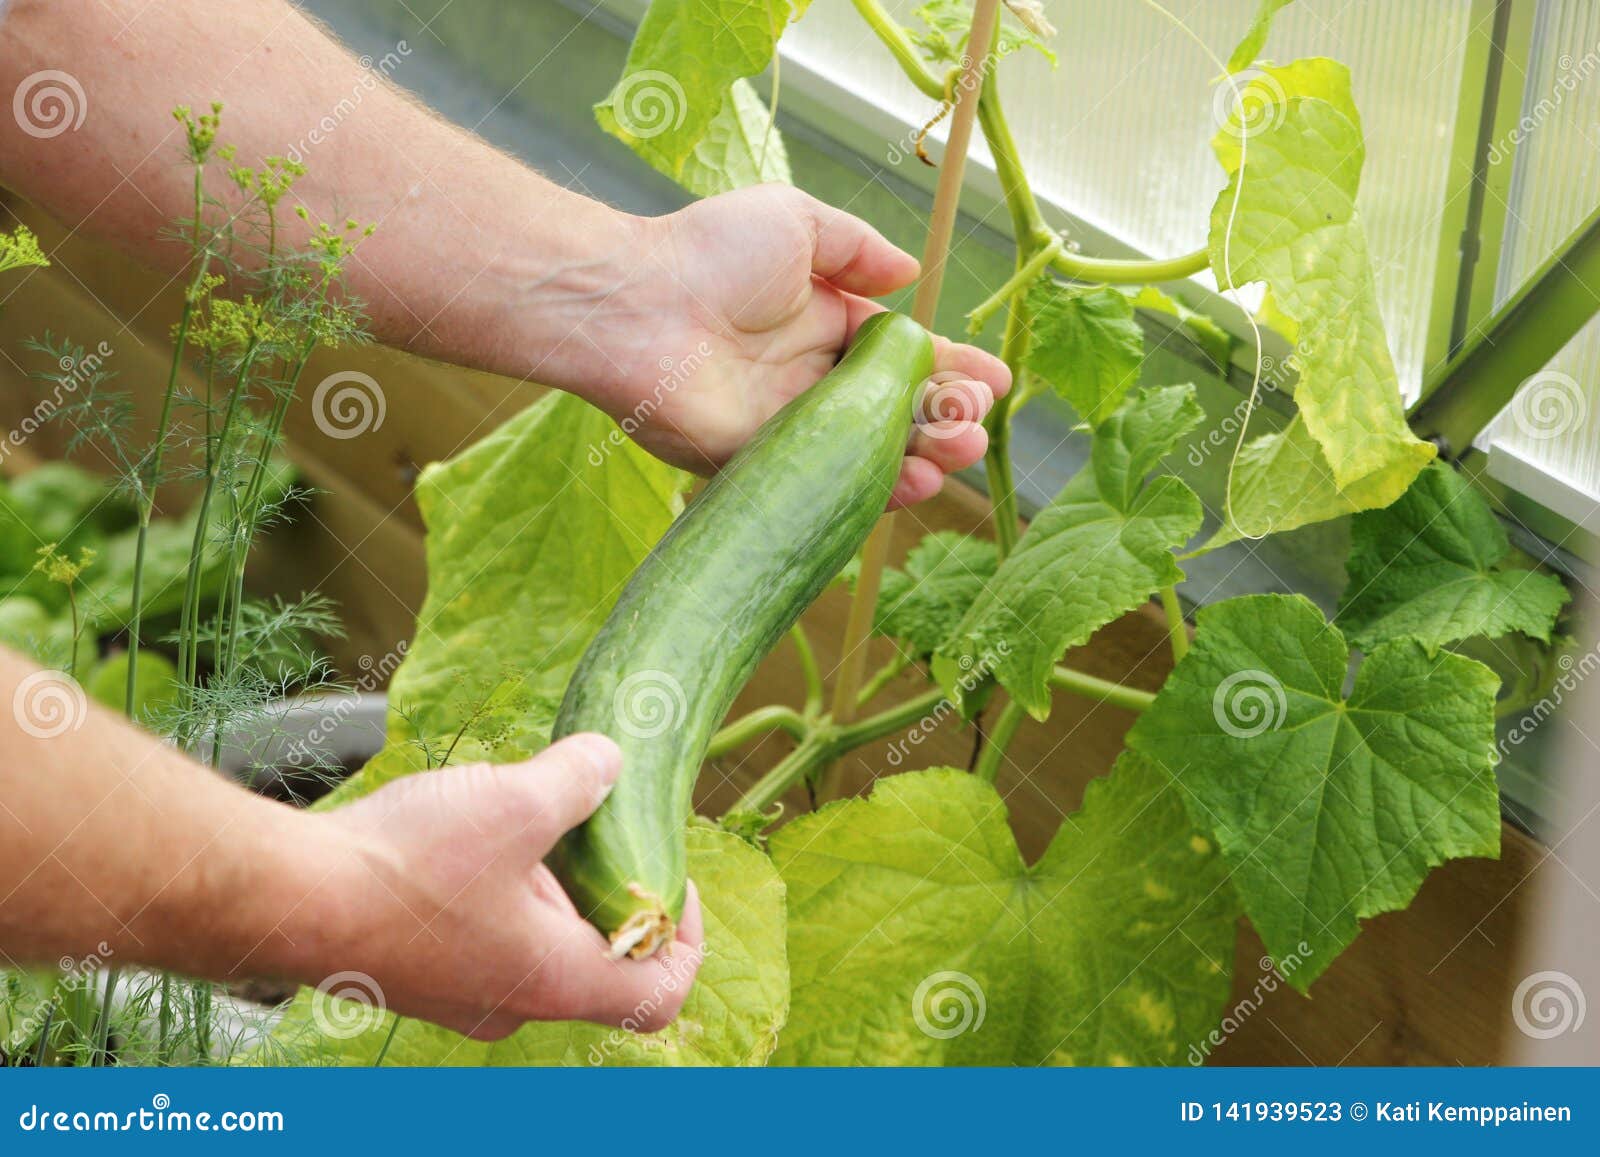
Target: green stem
(1026,274)
(1100,690)
(808,669)
(761,721)
(164,1021)
(200,998)
(882,677)
(147,495)
(899,44)
(1115,271)
(1027,220)
(887,721)
(800,764)
(1032,234)
(1177,629)
(394,1027)
(189,617)
(44,1037)
(202,526)
(826,742)
(102,1042)
(997,740)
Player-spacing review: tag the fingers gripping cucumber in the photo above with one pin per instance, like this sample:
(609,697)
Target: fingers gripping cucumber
(719,590)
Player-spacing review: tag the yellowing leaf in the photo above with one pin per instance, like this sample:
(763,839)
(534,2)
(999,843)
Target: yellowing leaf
(1293,224)
(917,936)
(1282,481)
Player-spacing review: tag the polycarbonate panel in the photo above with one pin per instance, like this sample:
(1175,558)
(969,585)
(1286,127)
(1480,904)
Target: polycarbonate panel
(1118,133)
(1554,422)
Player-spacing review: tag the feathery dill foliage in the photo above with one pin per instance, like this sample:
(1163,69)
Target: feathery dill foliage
(262,295)
(20,249)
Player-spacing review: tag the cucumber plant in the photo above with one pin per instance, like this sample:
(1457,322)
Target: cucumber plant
(1261,780)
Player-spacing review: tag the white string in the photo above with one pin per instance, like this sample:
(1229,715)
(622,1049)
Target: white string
(1231,290)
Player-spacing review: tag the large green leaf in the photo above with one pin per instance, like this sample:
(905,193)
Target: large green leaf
(677,86)
(741,147)
(1087,345)
(924,603)
(731,1017)
(1282,481)
(531,534)
(1293,224)
(1101,548)
(917,936)
(1429,567)
(1329,809)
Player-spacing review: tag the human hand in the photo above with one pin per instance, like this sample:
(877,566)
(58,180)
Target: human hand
(740,302)
(462,924)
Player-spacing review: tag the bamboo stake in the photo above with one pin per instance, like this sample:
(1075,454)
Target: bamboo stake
(935,254)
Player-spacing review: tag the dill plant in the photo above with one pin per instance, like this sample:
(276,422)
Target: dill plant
(255,308)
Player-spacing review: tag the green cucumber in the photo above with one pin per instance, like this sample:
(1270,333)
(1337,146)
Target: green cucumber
(719,590)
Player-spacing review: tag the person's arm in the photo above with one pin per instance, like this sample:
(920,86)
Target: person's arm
(432,886)
(476,259)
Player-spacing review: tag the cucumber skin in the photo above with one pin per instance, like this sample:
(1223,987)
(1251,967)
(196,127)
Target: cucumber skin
(723,585)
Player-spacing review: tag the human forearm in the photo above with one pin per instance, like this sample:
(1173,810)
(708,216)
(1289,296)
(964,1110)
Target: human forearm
(108,836)
(476,259)
(431,887)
